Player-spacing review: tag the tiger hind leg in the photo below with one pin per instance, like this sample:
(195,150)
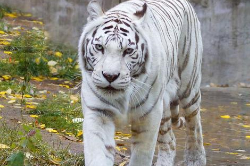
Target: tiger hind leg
(194,154)
(177,121)
(166,141)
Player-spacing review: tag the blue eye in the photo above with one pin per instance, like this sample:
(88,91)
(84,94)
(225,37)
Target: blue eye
(129,50)
(99,47)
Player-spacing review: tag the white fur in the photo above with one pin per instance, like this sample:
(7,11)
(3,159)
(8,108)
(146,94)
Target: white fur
(173,45)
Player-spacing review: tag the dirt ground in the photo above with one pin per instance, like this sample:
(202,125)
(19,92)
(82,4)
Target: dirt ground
(224,139)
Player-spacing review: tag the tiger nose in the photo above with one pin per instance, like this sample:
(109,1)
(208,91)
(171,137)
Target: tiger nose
(110,77)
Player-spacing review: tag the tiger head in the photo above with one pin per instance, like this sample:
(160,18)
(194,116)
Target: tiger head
(111,49)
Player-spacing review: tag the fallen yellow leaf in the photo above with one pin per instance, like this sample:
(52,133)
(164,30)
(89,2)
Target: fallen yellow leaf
(27,96)
(1,106)
(123,163)
(51,130)
(232,153)
(80,133)
(3,146)
(118,148)
(62,85)
(248,104)
(69,134)
(70,60)
(58,54)
(126,135)
(2,32)
(34,116)
(53,78)
(1,117)
(37,79)
(42,126)
(38,22)
(3,92)
(248,137)
(31,106)
(225,116)
(246,126)
(12,15)
(7,52)
(6,77)
(4,43)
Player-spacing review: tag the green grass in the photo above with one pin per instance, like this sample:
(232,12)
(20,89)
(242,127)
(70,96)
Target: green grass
(24,141)
(6,68)
(57,112)
(32,54)
(4,9)
(5,85)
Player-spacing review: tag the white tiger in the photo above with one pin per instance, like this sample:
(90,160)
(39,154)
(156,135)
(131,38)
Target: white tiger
(139,61)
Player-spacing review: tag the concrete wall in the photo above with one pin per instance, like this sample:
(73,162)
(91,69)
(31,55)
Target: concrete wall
(226,39)
(225,30)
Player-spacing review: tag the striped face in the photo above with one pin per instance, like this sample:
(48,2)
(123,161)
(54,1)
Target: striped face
(114,52)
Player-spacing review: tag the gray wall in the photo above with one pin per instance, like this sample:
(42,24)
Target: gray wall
(226,38)
(225,29)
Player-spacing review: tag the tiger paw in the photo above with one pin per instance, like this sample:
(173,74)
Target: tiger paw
(195,158)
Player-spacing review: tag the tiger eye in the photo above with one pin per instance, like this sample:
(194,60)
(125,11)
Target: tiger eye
(129,50)
(99,47)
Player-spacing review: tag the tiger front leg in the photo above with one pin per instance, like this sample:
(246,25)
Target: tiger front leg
(99,144)
(144,137)
(194,152)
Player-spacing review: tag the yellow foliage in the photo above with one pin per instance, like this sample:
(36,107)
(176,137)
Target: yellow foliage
(27,96)
(38,22)
(37,79)
(6,77)
(225,116)
(232,153)
(31,106)
(53,78)
(42,126)
(12,15)
(51,130)
(246,126)
(34,116)
(58,54)
(4,43)
(37,60)
(70,60)
(62,85)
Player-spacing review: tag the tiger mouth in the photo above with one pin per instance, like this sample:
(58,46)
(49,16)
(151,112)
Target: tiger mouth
(109,88)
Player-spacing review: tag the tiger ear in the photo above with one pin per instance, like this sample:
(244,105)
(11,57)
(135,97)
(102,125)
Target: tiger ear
(140,14)
(94,10)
